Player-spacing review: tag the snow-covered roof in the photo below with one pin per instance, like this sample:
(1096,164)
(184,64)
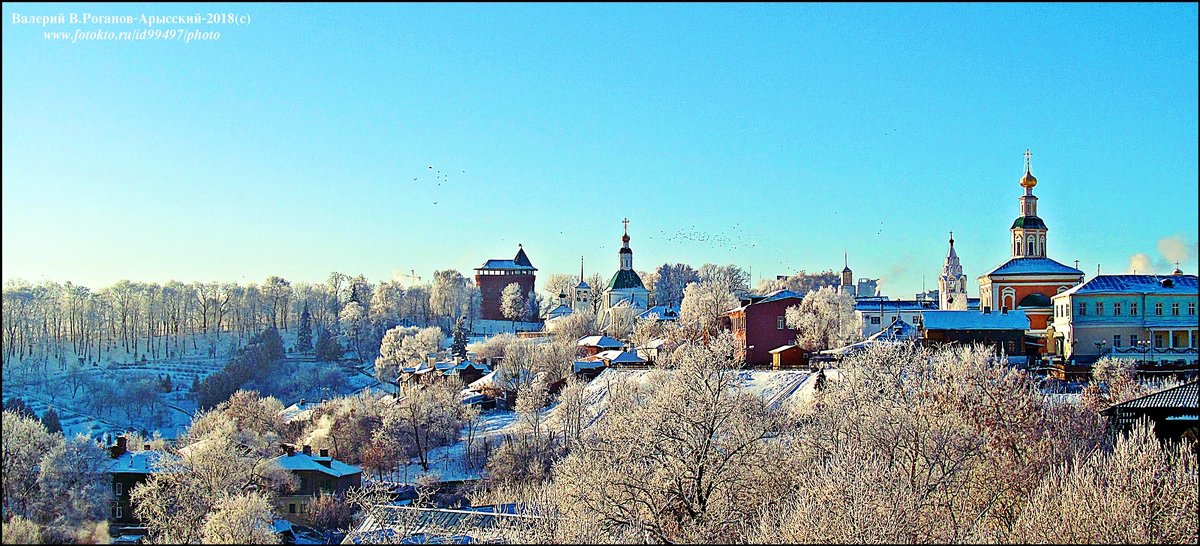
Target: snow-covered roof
(300,411)
(599,341)
(654,344)
(1137,284)
(620,357)
(456,368)
(561,311)
(505,264)
(139,462)
(753,299)
(894,305)
(663,312)
(581,365)
(781,349)
(1032,266)
(300,461)
(491,381)
(898,330)
(975,320)
(777,388)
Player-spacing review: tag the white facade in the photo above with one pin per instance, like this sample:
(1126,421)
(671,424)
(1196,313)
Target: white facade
(952,283)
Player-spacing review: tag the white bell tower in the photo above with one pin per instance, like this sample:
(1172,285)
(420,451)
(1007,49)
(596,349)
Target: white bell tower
(952,284)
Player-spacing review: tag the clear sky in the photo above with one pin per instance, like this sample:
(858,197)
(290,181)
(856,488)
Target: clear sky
(775,137)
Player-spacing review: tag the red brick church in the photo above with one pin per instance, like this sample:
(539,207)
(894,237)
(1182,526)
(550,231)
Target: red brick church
(494,275)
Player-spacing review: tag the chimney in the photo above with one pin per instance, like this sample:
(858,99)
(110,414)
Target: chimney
(324,452)
(120,448)
(289,449)
(307,450)
(301,402)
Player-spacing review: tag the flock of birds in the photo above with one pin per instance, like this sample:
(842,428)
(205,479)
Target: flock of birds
(438,178)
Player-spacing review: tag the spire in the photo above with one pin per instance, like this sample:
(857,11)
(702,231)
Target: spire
(581,269)
(1028,181)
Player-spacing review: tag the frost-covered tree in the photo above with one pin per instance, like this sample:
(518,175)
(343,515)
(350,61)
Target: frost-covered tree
(427,417)
(1143,492)
(671,281)
(354,324)
(512,303)
(175,503)
(59,486)
(559,283)
(449,296)
(824,320)
(678,460)
(730,277)
(241,519)
(304,341)
(703,303)
(576,325)
(392,356)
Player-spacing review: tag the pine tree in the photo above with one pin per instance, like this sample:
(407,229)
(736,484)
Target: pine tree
(19,406)
(304,338)
(50,421)
(459,347)
(327,348)
(165,384)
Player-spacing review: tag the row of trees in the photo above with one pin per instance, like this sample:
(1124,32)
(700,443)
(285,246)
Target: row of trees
(62,322)
(903,444)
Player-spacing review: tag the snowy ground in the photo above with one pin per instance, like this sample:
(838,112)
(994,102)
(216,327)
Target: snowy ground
(78,416)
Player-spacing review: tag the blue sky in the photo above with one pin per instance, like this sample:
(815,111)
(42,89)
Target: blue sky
(290,145)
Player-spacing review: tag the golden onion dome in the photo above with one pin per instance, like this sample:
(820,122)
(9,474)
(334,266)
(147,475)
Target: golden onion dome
(1028,181)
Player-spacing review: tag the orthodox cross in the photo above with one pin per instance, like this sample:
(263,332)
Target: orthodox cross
(626,222)
(1027,156)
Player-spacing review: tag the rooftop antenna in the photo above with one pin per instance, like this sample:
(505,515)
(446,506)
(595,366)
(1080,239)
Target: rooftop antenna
(1076,264)
(1097,270)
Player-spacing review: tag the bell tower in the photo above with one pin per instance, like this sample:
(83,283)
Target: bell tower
(952,284)
(1028,230)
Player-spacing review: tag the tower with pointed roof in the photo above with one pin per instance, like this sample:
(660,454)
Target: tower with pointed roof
(952,284)
(1029,278)
(495,275)
(583,292)
(847,285)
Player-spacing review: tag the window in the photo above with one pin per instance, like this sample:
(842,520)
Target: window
(1158,309)
(1132,309)
(1082,309)
(1117,309)
(292,508)
(1175,309)
(1132,340)
(117,513)
(1191,308)
(1116,340)
(874,320)
(118,489)
(1159,339)
(1099,308)
(780,323)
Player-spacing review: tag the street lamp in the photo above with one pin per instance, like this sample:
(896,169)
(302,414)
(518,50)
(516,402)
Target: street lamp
(1144,345)
(1100,347)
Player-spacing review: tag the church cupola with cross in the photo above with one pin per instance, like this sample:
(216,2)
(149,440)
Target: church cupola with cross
(1028,230)
(952,284)
(626,285)
(626,253)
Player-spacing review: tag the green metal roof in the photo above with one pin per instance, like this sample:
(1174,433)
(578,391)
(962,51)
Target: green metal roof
(1029,222)
(626,278)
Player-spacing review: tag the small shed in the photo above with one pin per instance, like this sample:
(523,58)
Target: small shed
(788,356)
